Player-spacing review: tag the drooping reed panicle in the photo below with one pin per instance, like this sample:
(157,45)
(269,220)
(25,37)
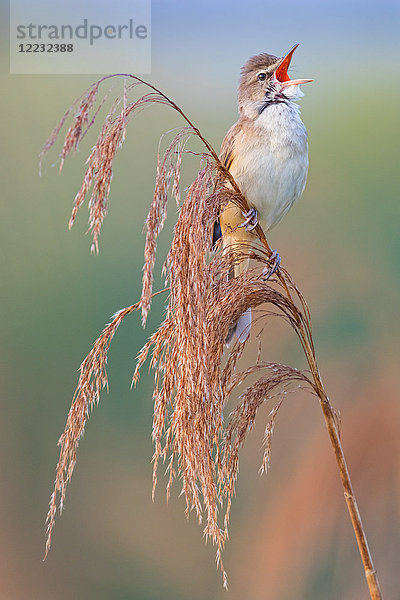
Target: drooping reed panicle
(193,378)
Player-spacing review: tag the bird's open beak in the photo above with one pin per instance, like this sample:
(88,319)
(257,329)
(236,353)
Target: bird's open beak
(281,72)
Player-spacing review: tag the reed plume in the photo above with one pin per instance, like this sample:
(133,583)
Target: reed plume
(195,375)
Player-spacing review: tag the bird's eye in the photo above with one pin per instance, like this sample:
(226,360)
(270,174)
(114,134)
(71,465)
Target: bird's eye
(262,76)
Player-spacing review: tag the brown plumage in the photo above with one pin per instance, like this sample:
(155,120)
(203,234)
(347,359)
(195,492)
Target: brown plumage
(266,152)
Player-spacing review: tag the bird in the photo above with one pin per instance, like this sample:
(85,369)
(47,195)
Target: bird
(266,152)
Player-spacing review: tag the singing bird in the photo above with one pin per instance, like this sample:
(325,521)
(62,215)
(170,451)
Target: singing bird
(266,152)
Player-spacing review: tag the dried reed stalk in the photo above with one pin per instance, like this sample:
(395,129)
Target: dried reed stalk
(192,386)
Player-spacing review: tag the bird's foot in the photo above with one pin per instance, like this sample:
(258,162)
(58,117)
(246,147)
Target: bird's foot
(274,261)
(251,220)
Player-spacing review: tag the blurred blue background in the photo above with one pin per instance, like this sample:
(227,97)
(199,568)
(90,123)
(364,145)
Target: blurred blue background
(290,533)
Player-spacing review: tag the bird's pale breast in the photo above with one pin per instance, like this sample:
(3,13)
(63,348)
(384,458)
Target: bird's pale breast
(271,162)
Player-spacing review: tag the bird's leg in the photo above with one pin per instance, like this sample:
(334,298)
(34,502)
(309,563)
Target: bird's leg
(275,261)
(251,219)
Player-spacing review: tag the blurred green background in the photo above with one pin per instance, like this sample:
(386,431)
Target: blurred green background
(290,534)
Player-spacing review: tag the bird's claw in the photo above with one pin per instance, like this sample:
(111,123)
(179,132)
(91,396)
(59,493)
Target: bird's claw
(274,261)
(251,219)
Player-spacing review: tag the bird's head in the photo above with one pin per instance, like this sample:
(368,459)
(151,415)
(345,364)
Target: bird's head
(265,81)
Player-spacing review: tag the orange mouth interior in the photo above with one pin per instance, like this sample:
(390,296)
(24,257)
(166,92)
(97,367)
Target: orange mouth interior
(281,72)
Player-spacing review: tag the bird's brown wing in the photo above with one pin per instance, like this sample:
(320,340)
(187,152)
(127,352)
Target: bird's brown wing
(231,217)
(226,157)
(227,148)
(234,236)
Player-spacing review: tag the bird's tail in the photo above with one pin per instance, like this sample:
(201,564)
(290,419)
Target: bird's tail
(240,329)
